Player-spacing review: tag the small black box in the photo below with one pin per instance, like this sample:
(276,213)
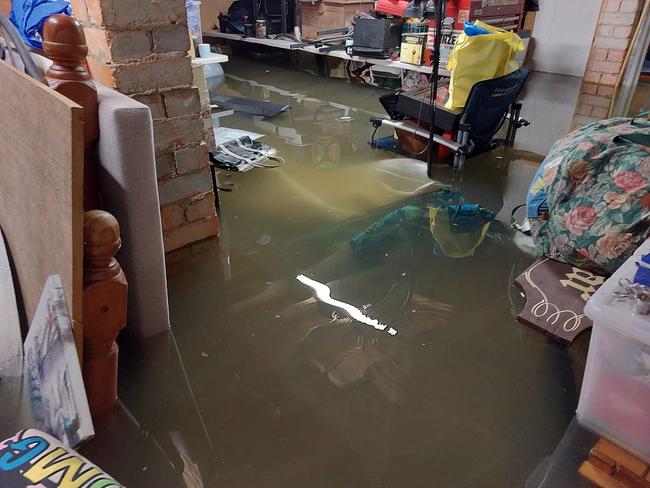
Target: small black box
(381,34)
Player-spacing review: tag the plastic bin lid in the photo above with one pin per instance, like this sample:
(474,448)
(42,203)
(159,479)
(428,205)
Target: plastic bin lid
(620,316)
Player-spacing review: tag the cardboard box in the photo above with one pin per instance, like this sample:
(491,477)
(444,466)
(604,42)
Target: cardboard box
(329,14)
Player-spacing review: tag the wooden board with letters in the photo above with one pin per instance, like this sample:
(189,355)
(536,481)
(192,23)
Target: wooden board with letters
(556,294)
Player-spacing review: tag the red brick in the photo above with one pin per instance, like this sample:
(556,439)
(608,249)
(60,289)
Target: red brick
(590,88)
(618,19)
(177,131)
(616,55)
(596,100)
(582,120)
(94,9)
(600,112)
(176,39)
(172,216)
(164,165)
(101,71)
(182,101)
(192,158)
(612,5)
(192,232)
(129,45)
(79,10)
(136,14)
(629,6)
(184,186)
(605,91)
(609,80)
(605,30)
(201,206)
(606,66)
(153,74)
(610,43)
(584,109)
(592,77)
(97,41)
(155,104)
(599,54)
(623,32)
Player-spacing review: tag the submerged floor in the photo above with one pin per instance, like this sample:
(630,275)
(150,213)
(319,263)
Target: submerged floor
(271,388)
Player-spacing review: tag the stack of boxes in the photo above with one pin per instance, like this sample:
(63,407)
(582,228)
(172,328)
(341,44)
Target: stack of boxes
(320,15)
(505,14)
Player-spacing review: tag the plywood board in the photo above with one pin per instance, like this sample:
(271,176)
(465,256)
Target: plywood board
(41,188)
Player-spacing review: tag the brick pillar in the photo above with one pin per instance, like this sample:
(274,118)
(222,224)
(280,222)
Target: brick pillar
(140,49)
(614,31)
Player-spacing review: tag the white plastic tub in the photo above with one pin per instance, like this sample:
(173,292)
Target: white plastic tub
(615,396)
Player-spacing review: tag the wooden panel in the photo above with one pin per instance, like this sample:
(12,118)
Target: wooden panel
(556,294)
(41,184)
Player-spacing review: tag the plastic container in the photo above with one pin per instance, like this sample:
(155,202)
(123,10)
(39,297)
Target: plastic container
(194,18)
(615,396)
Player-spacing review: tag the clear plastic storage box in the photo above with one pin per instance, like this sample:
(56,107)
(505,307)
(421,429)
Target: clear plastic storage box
(615,396)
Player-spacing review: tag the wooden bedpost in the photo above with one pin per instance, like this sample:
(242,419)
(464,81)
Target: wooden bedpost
(104,309)
(64,43)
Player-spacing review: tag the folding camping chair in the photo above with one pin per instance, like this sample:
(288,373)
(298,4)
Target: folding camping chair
(489,105)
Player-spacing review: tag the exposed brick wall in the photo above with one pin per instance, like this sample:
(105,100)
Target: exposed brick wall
(614,31)
(139,47)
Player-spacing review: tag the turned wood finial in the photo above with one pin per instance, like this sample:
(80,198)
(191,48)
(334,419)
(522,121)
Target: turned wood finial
(64,43)
(104,309)
(102,241)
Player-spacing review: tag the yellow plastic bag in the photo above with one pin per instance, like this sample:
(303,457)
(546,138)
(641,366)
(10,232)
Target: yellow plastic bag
(478,58)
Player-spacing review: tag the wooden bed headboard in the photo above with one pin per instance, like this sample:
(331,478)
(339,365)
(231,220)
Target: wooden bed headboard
(49,201)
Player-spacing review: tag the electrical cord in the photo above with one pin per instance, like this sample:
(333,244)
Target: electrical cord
(417,126)
(263,154)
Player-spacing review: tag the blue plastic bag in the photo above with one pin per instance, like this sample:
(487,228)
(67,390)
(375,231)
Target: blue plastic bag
(474,30)
(642,275)
(29,15)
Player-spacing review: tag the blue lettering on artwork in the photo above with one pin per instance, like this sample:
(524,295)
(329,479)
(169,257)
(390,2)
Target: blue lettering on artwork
(23,451)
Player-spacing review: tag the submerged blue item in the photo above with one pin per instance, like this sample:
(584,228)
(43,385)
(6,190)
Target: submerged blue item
(29,15)
(642,275)
(536,203)
(475,30)
(468,217)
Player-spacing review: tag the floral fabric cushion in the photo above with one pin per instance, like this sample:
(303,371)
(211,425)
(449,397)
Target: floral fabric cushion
(594,180)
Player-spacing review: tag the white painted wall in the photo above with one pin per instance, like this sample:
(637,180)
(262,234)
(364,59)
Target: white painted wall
(563,33)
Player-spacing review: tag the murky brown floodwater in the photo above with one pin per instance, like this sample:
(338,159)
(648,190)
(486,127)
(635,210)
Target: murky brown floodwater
(270,388)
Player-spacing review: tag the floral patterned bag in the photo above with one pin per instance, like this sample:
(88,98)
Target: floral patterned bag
(595,179)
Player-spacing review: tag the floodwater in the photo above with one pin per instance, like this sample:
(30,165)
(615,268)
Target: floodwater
(268,383)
